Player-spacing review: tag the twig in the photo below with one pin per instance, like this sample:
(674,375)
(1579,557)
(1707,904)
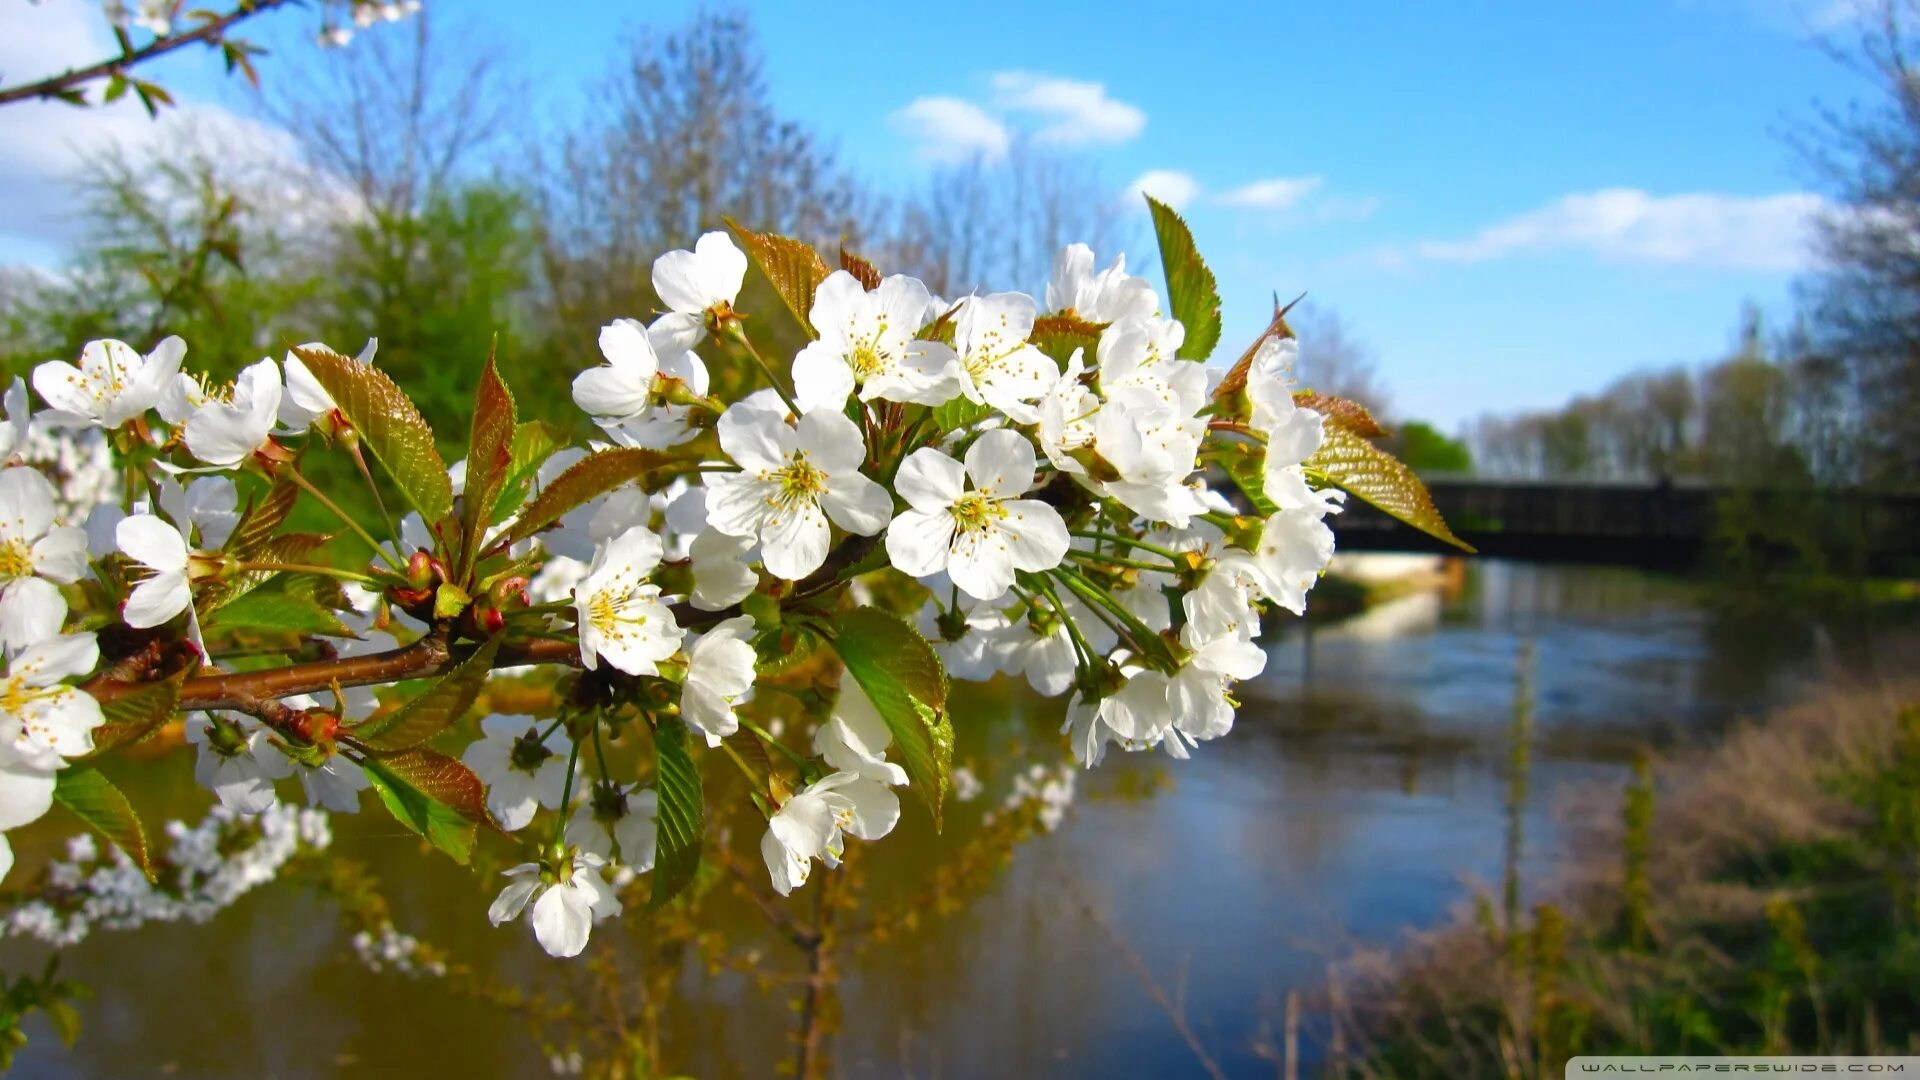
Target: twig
(210,33)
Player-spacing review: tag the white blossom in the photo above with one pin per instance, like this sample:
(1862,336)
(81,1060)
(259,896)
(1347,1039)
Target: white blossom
(720,672)
(867,346)
(793,479)
(233,422)
(522,770)
(979,534)
(997,366)
(35,556)
(237,760)
(615,815)
(709,276)
(570,900)
(811,825)
(618,613)
(1105,297)
(111,385)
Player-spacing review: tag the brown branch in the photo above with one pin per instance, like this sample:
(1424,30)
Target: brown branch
(209,33)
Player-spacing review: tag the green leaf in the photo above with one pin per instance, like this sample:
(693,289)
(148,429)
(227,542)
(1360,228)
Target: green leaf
(794,268)
(433,795)
(137,715)
(286,548)
(389,425)
(902,676)
(443,704)
(262,518)
(489,460)
(278,610)
(1190,286)
(533,443)
(1377,477)
(676,780)
(589,478)
(1246,466)
(1059,335)
(960,412)
(94,800)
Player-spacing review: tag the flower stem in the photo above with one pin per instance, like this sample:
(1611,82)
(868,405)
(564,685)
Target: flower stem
(566,793)
(1166,553)
(765,737)
(308,568)
(360,459)
(739,336)
(1109,560)
(319,496)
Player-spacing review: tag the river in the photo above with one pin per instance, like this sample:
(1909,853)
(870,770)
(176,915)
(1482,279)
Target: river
(1360,795)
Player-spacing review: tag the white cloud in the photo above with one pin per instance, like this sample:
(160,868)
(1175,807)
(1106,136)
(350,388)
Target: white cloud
(1279,193)
(1072,112)
(1170,186)
(45,146)
(1767,232)
(950,129)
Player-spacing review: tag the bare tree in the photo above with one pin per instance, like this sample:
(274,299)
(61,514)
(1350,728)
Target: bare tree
(1003,221)
(685,132)
(1866,306)
(1334,361)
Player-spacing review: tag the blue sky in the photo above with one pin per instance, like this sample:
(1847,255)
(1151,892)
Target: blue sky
(1509,202)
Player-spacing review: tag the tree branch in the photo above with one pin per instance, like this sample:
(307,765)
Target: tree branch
(209,33)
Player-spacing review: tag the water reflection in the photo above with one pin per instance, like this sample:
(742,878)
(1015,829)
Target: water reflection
(1363,784)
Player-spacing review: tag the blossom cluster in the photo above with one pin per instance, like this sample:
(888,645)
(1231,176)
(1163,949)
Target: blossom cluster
(1047,479)
(208,866)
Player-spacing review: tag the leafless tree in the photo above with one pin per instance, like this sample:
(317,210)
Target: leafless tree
(1334,361)
(684,132)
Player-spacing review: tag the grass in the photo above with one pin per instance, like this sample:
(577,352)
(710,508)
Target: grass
(1761,896)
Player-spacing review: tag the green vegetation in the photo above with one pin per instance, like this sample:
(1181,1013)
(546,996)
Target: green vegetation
(1760,898)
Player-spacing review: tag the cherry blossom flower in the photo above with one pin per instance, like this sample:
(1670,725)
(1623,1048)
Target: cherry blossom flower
(708,277)
(572,897)
(1105,297)
(612,815)
(980,535)
(306,402)
(43,721)
(997,366)
(867,346)
(159,548)
(618,613)
(111,385)
(14,428)
(35,554)
(811,825)
(621,388)
(210,507)
(237,760)
(523,771)
(232,422)
(720,671)
(855,737)
(793,480)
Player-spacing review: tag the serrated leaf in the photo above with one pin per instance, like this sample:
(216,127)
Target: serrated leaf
(489,459)
(960,412)
(862,270)
(1191,290)
(533,443)
(1246,467)
(278,611)
(93,799)
(1341,412)
(433,795)
(262,518)
(1236,378)
(1059,335)
(678,818)
(903,678)
(1371,474)
(389,425)
(589,478)
(286,548)
(793,267)
(132,717)
(443,704)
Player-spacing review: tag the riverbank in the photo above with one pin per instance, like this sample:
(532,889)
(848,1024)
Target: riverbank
(1761,896)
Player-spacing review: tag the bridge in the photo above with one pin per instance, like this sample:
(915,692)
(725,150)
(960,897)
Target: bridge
(1666,526)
